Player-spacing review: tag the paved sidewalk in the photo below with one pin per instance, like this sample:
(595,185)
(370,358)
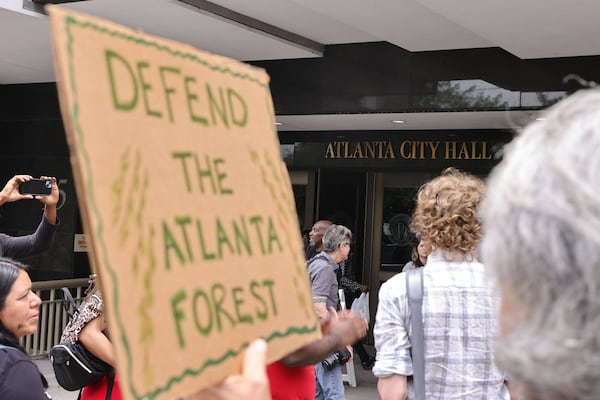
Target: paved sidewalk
(366,384)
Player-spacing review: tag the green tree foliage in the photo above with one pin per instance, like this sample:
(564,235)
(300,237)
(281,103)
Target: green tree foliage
(451,96)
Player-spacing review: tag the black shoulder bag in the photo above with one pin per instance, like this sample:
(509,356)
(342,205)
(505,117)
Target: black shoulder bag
(74,366)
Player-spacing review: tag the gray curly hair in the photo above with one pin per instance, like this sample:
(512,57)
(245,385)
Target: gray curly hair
(541,240)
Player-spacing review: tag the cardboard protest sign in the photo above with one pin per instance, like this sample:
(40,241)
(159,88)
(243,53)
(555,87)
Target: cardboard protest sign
(187,207)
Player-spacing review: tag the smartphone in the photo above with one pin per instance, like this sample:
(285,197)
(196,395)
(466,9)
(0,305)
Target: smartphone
(37,187)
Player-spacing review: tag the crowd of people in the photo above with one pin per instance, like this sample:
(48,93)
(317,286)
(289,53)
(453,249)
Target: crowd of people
(522,323)
(291,377)
(510,275)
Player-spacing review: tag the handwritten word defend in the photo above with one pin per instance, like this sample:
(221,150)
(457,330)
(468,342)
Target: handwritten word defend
(130,81)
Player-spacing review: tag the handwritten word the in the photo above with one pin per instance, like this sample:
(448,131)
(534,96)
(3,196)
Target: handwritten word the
(205,169)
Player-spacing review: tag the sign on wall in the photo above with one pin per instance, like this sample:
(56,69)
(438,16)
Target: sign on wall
(186,204)
(80,243)
(431,150)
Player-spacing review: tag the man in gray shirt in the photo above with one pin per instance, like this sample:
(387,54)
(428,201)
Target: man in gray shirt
(322,271)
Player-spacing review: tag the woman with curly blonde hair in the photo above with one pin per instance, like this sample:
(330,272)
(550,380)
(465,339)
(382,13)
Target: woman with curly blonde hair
(459,310)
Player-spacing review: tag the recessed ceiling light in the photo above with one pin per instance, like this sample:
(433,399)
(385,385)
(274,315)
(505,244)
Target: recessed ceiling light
(398,121)
(540,118)
(278,123)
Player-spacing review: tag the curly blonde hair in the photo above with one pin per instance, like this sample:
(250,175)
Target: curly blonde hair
(446,213)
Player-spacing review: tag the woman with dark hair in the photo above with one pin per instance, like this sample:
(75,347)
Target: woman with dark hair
(418,256)
(19,314)
(21,379)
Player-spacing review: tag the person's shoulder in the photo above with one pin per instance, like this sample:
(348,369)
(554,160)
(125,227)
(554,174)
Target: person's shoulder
(12,353)
(19,376)
(4,239)
(319,261)
(309,251)
(396,279)
(396,285)
(408,266)
(11,356)
(321,269)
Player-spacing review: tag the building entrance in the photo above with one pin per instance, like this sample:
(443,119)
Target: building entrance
(396,205)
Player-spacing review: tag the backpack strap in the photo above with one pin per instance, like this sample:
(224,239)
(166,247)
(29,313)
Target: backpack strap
(414,292)
(315,258)
(111,384)
(68,302)
(322,257)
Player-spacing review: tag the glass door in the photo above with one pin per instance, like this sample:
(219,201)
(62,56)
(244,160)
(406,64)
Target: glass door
(396,238)
(397,205)
(390,209)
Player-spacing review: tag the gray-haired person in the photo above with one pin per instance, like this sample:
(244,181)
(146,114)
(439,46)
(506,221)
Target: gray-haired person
(322,270)
(542,242)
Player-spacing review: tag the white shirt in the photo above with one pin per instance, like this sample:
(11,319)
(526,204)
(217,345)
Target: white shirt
(459,319)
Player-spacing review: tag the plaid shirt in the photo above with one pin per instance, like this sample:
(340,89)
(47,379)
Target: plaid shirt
(459,319)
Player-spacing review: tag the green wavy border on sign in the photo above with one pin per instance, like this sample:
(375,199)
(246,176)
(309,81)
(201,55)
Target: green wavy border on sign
(70,21)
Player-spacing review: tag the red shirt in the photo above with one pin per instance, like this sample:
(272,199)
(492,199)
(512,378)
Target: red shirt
(286,384)
(291,383)
(97,390)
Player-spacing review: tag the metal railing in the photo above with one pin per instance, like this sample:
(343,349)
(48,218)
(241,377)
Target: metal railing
(53,317)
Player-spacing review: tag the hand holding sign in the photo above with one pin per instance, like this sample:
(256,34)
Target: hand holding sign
(185,202)
(251,384)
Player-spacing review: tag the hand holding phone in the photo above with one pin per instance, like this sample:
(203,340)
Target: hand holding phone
(36,187)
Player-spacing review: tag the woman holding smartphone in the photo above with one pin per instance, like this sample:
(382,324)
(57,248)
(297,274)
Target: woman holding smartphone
(40,240)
